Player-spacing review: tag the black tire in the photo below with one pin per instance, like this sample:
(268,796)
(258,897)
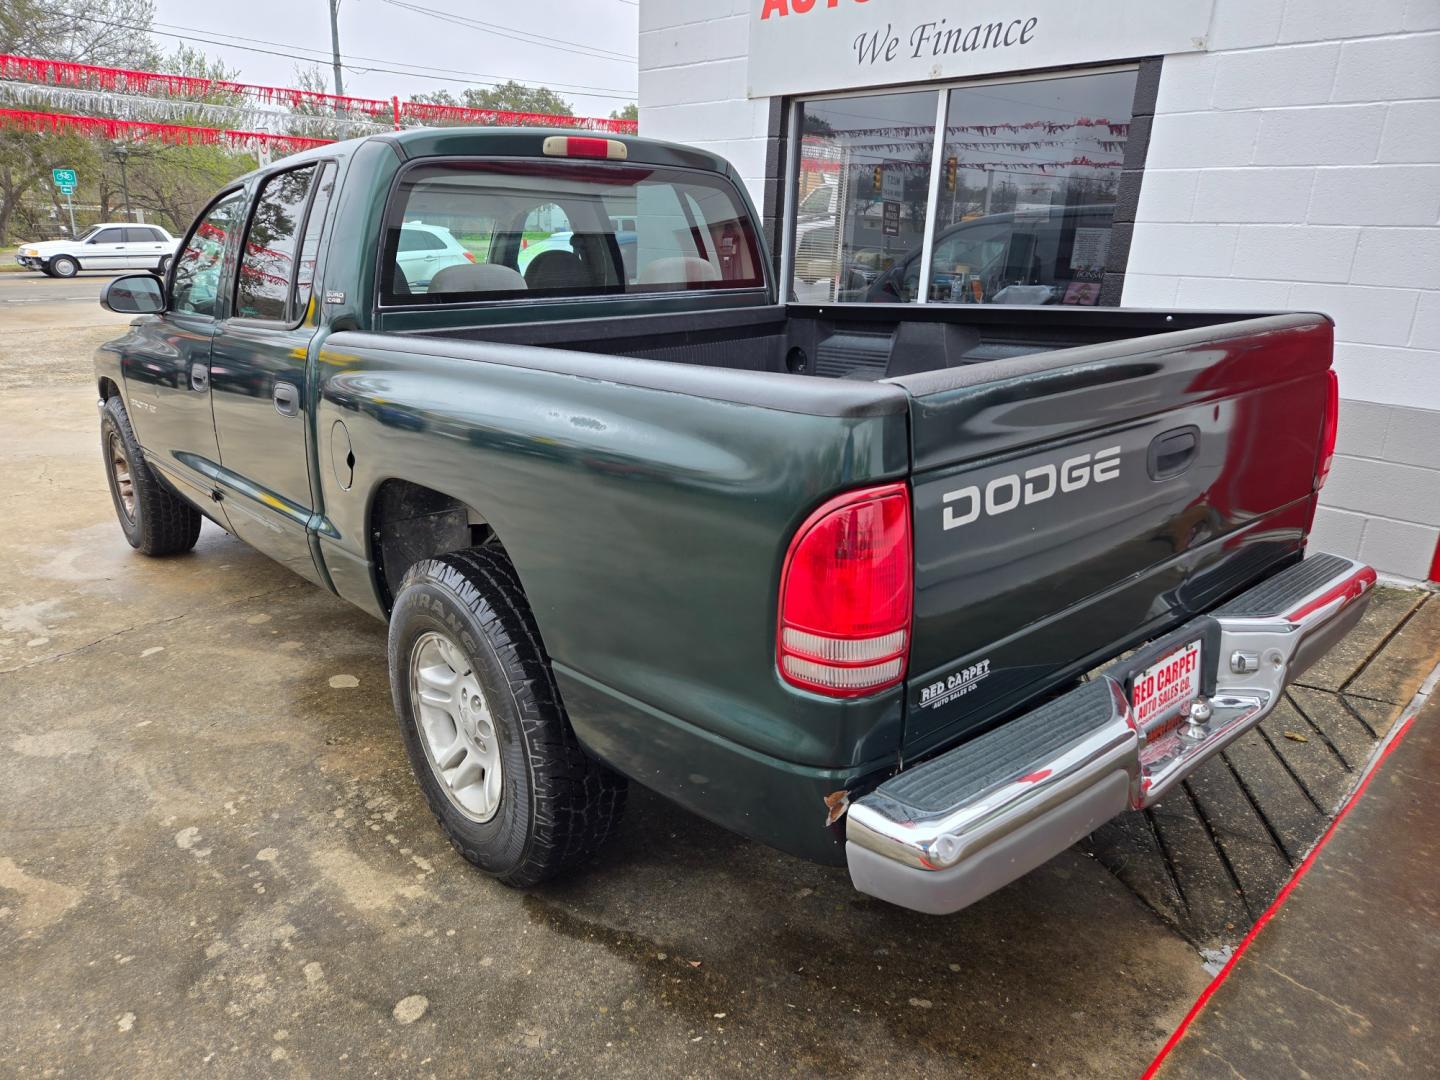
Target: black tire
(164,267)
(45,269)
(63,266)
(557,806)
(154,519)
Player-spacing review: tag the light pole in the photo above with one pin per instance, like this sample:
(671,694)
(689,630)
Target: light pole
(121,153)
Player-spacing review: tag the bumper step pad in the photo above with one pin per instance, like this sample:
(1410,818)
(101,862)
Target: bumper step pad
(945,833)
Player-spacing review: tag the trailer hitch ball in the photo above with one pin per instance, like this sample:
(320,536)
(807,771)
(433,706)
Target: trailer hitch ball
(1199,716)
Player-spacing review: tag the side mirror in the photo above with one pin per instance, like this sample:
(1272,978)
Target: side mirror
(134,294)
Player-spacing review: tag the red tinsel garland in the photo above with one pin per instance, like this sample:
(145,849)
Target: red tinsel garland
(175,134)
(64,73)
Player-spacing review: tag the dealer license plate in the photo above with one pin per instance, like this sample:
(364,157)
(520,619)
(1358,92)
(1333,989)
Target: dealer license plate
(1163,690)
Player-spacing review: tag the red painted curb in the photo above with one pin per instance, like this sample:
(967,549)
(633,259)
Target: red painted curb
(1276,904)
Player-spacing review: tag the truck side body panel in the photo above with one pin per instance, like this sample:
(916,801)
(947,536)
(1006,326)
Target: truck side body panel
(648,527)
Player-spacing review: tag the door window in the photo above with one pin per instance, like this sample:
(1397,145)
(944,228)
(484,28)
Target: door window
(197,270)
(267,264)
(412,240)
(310,245)
(140,236)
(108,236)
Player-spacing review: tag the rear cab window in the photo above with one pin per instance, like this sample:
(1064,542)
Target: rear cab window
(510,230)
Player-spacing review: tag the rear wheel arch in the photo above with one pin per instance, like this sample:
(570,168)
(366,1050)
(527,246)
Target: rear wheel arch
(409,522)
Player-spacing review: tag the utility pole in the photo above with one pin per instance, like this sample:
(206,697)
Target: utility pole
(121,153)
(335,46)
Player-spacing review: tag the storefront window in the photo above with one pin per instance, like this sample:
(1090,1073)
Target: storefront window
(864,185)
(1023,207)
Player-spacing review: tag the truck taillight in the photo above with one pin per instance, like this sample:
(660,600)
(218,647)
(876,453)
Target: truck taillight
(1328,431)
(846,595)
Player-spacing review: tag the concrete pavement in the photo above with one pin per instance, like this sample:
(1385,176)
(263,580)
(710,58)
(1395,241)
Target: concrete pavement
(1343,980)
(213,859)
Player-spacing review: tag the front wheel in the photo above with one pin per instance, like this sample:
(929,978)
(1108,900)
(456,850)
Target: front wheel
(63,266)
(484,727)
(154,519)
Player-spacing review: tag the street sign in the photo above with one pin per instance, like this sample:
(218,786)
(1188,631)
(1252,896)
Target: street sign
(65,182)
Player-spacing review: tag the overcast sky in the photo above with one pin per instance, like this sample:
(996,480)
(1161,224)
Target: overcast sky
(589,59)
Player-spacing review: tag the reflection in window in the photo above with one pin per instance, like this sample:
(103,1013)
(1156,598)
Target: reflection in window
(197,269)
(864,184)
(1025,198)
(460,233)
(268,262)
(310,246)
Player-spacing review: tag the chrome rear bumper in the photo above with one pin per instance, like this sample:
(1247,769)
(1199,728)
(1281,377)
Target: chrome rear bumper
(941,835)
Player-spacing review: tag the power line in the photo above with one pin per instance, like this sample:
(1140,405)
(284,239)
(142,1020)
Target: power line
(378,60)
(416,72)
(560,44)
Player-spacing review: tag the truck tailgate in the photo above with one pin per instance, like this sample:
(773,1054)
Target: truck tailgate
(1073,503)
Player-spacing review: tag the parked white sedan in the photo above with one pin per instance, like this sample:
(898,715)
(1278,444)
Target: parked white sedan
(109,246)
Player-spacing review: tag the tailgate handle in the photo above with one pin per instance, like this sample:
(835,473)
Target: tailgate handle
(1173,452)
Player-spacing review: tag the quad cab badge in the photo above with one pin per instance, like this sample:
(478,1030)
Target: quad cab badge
(1005,493)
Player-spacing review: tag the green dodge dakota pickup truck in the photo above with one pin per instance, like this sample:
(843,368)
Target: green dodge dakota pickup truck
(930,591)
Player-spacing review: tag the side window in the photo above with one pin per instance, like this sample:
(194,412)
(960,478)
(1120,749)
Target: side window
(419,240)
(109,236)
(969,263)
(310,245)
(267,262)
(197,269)
(543,222)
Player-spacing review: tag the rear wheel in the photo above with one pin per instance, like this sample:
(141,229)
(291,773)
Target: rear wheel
(154,519)
(484,726)
(63,266)
(164,266)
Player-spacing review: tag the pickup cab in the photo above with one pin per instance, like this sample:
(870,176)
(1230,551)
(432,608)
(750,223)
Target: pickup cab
(930,591)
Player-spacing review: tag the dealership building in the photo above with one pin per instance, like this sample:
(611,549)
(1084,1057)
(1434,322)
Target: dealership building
(1223,154)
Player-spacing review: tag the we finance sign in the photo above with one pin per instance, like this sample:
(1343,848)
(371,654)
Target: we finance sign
(808,46)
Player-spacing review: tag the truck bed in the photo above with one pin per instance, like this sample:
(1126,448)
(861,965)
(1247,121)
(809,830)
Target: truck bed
(1033,595)
(845,341)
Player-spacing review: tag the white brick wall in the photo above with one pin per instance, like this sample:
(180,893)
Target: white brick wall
(1297,165)
(693,58)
